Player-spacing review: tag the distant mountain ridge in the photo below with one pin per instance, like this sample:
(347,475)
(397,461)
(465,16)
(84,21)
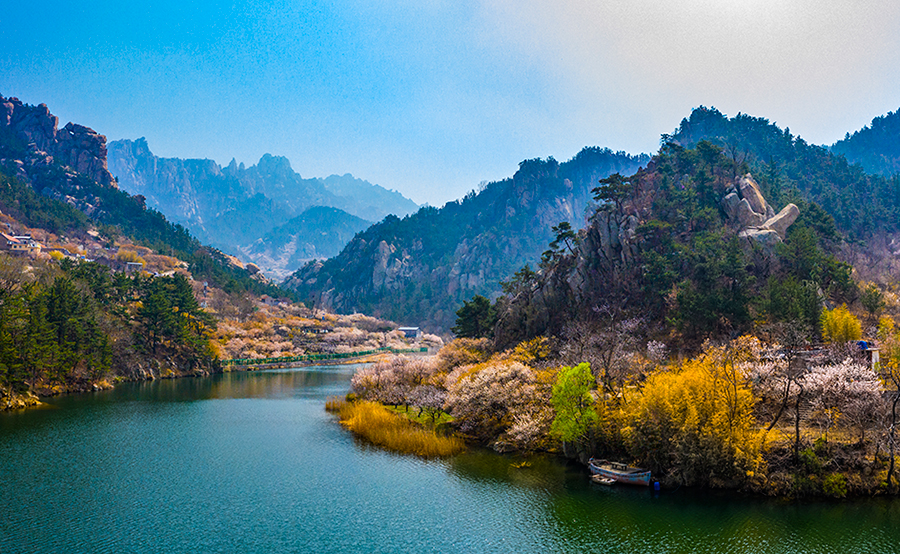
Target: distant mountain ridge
(419,269)
(316,233)
(233,207)
(876,147)
(57,182)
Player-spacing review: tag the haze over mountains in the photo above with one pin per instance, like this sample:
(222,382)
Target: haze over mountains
(418,270)
(261,213)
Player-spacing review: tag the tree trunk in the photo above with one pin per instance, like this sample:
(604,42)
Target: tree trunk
(891,439)
(797,423)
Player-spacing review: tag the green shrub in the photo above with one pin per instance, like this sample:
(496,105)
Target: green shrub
(835,485)
(810,461)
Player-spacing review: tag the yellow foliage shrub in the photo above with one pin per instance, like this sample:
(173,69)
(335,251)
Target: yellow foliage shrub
(839,325)
(697,421)
(530,350)
(887,328)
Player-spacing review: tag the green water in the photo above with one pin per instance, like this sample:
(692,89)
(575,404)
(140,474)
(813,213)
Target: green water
(250,462)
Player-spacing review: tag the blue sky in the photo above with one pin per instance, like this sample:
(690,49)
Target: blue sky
(432,97)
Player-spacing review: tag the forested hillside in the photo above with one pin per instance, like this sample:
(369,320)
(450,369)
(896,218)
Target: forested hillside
(419,269)
(876,147)
(71,317)
(705,324)
(685,250)
(787,166)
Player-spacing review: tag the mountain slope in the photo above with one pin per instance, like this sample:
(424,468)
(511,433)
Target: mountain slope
(74,191)
(233,207)
(419,269)
(319,232)
(876,147)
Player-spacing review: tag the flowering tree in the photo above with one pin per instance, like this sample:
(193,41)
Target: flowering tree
(845,392)
(429,399)
(394,380)
(485,401)
(607,344)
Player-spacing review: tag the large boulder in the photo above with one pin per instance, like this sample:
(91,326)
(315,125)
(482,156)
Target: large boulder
(783,220)
(751,193)
(749,213)
(747,216)
(768,239)
(730,205)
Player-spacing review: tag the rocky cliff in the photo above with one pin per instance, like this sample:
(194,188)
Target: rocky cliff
(235,207)
(78,147)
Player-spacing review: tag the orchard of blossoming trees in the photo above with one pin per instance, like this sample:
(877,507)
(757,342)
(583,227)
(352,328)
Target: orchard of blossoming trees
(676,331)
(770,418)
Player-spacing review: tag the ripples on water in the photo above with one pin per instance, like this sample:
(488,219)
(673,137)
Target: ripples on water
(251,462)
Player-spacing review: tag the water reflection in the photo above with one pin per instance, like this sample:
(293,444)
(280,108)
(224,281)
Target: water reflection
(250,462)
(280,383)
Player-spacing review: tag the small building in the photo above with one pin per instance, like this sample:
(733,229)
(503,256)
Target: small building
(411,332)
(133,267)
(19,244)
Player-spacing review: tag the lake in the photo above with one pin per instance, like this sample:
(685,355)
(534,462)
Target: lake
(251,462)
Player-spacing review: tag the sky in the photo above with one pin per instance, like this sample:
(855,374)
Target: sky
(433,97)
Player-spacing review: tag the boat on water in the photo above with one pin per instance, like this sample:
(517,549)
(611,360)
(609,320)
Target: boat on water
(622,473)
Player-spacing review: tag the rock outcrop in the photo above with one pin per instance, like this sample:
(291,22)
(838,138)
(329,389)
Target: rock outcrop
(76,146)
(783,220)
(748,211)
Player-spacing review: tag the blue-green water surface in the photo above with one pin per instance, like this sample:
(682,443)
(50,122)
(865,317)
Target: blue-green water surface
(251,462)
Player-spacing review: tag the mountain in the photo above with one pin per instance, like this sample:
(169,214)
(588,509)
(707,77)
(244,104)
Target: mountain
(690,248)
(685,249)
(419,269)
(233,207)
(789,168)
(319,232)
(57,180)
(876,147)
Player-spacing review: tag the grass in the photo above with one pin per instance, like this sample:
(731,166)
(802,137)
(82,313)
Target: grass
(378,425)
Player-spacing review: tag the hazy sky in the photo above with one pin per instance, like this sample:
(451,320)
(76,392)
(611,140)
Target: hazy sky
(432,97)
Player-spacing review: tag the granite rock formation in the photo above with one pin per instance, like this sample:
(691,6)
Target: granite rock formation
(748,211)
(80,148)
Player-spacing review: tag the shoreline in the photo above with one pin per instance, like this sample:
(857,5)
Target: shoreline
(11,402)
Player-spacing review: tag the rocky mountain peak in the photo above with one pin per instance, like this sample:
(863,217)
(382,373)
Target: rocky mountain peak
(79,147)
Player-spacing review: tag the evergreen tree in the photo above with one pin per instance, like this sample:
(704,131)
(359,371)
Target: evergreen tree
(475,319)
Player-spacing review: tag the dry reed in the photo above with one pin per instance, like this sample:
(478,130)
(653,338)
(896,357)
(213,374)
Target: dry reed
(376,424)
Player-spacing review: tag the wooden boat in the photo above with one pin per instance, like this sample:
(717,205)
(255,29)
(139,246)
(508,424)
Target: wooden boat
(601,480)
(622,473)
